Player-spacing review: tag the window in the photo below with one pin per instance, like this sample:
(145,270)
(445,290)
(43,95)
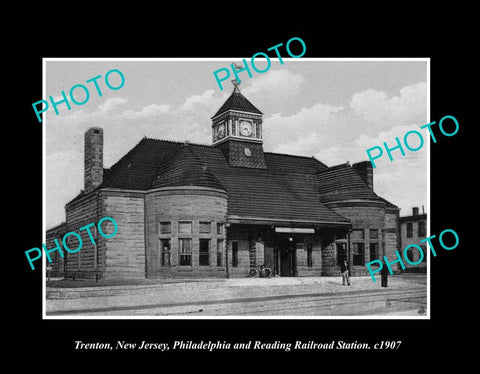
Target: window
(219,252)
(204,253)
(409,229)
(258,130)
(219,228)
(309,255)
(234,254)
(165,228)
(341,253)
(374,234)
(185,252)
(165,251)
(373,251)
(421,228)
(358,254)
(184,227)
(205,227)
(410,255)
(253,255)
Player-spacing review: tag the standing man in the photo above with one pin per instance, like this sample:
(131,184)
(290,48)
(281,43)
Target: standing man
(384,273)
(344,272)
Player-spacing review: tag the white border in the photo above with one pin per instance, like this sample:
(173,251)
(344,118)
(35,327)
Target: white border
(368,317)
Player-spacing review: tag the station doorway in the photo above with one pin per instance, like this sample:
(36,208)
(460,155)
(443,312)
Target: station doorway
(286,257)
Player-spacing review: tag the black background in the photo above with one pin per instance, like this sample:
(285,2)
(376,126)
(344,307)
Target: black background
(345,32)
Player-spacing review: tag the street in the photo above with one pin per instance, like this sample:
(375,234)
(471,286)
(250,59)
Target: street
(405,296)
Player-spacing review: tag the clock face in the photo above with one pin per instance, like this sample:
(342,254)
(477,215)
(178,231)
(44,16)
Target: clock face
(221,130)
(245,128)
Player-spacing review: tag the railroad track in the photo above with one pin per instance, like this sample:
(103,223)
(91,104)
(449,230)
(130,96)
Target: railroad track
(311,304)
(340,303)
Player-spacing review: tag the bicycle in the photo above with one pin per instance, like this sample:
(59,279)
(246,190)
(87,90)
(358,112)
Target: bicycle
(263,273)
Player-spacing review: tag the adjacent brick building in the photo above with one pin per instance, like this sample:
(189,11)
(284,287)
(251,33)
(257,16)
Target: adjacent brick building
(191,210)
(413,229)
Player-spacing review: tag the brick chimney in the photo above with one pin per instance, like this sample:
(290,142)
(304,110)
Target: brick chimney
(93,158)
(415,211)
(365,170)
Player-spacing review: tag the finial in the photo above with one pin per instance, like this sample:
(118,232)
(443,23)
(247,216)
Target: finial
(236,66)
(235,83)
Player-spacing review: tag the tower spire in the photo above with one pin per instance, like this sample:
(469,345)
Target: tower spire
(235,83)
(237,131)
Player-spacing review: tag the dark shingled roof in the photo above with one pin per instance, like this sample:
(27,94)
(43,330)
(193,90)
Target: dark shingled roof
(183,168)
(286,190)
(139,166)
(237,101)
(341,182)
(412,218)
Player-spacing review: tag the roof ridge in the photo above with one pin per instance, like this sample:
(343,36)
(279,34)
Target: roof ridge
(290,155)
(335,167)
(179,142)
(286,154)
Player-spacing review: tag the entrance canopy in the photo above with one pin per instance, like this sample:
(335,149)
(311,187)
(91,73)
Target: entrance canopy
(286,225)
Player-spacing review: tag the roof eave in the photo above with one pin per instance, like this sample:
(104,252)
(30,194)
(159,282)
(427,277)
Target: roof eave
(285,221)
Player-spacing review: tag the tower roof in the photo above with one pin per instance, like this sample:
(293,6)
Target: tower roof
(237,101)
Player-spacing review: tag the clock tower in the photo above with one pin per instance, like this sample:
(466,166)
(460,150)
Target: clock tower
(237,131)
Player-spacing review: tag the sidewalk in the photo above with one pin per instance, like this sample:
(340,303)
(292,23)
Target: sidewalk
(213,291)
(327,284)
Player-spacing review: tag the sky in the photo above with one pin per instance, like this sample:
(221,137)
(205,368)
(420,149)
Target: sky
(332,110)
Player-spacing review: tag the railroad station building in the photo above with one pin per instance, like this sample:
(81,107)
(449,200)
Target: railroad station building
(194,210)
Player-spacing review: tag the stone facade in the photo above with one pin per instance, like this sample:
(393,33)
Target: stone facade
(57,265)
(123,255)
(143,248)
(373,233)
(185,217)
(125,252)
(392,235)
(87,262)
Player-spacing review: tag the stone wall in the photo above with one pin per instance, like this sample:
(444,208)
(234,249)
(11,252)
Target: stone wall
(188,207)
(57,264)
(125,252)
(329,254)
(368,219)
(317,268)
(392,237)
(86,263)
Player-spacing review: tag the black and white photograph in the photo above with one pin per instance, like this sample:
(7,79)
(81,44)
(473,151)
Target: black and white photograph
(251,197)
(237,195)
